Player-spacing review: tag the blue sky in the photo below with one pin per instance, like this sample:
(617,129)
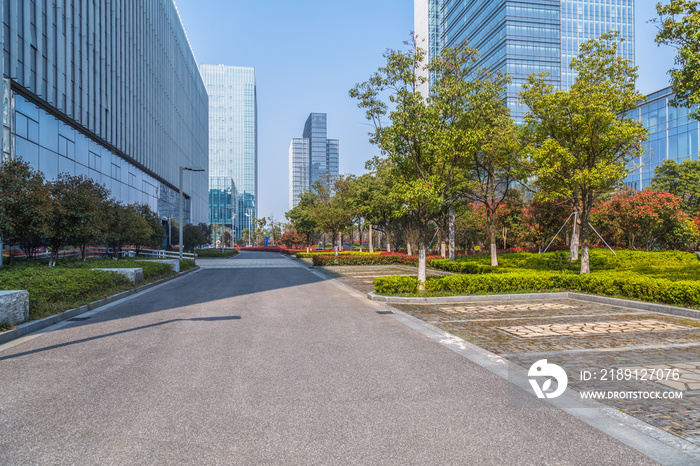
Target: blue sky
(309,53)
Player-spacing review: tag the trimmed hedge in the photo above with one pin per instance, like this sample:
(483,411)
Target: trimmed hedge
(622,284)
(216,253)
(56,289)
(369,259)
(462,266)
(306,255)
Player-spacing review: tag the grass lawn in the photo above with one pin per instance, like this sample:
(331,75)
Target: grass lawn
(72,284)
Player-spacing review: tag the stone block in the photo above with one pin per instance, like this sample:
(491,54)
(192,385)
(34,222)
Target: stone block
(174,263)
(14,306)
(135,275)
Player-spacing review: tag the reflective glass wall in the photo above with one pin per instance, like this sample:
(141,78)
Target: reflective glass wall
(233,138)
(118,74)
(672,135)
(298,170)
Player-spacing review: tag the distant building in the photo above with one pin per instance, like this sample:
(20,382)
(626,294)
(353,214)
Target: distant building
(109,90)
(312,157)
(672,135)
(233,148)
(521,38)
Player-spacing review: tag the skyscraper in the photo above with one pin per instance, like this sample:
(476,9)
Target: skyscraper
(311,157)
(233,148)
(522,38)
(109,90)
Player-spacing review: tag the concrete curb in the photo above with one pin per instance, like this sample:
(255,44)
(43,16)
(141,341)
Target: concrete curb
(639,305)
(35,325)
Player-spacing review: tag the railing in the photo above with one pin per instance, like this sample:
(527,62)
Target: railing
(166,254)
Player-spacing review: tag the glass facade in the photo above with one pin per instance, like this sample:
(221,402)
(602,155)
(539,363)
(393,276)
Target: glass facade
(672,135)
(233,147)
(110,90)
(312,157)
(524,37)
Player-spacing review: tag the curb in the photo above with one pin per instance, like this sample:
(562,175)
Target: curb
(34,325)
(639,305)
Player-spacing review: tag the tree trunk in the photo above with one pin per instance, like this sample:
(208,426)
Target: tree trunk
(388,241)
(421,268)
(369,239)
(443,251)
(585,257)
(492,239)
(573,251)
(359,231)
(408,248)
(452,235)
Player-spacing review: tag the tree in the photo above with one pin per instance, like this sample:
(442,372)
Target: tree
(682,179)
(78,205)
(157,232)
(192,237)
(301,216)
(545,218)
(206,231)
(578,140)
(25,206)
(333,210)
(420,135)
(125,225)
(679,22)
(292,239)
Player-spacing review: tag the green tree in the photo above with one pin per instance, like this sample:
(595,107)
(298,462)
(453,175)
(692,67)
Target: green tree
(333,210)
(681,179)
(578,140)
(125,226)
(679,23)
(157,232)
(301,217)
(192,237)
(25,206)
(78,205)
(421,135)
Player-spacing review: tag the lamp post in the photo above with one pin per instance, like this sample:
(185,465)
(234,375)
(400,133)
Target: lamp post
(250,233)
(182,213)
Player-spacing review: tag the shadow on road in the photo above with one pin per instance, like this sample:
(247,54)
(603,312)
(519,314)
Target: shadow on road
(97,337)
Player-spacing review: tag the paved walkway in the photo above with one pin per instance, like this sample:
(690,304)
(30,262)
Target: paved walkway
(269,365)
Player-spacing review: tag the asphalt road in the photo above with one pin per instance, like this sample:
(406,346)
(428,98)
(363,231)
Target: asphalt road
(265,363)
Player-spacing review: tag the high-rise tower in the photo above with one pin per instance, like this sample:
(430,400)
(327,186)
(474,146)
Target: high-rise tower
(233,147)
(521,38)
(312,157)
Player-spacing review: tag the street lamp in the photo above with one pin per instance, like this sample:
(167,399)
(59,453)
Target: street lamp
(182,213)
(250,228)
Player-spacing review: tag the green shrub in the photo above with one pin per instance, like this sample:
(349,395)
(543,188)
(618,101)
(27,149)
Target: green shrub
(621,284)
(395,284)
(462,266)
(216,253)
(365,260)
(56,289)
(307,255)
(187,264)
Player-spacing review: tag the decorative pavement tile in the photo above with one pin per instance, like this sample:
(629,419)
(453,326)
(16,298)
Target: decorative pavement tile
(506,307)
(591,328)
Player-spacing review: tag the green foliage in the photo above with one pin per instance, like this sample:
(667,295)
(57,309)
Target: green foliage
(461,266)
(56,289)
(216,253)
(192,237)
(680,179)
(395,285)
(187,264)
(578,144)
(25,206)
(307,255)
(357,259)
(125,225)
(679,22)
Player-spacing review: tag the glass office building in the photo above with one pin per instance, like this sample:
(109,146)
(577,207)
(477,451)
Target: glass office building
(672,135)
(522,38)
(312,157)
(233,148)
(109,90)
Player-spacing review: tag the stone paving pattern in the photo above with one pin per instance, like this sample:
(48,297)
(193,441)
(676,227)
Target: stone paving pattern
(591,328)
(585,341)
